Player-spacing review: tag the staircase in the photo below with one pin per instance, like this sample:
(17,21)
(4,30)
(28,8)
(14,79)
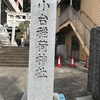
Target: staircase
(14,56)
(81,30)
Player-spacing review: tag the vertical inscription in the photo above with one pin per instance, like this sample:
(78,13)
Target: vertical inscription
(41,55)
(42,43)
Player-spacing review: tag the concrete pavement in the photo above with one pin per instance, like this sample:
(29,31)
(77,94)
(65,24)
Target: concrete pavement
(13,81)
(70,81)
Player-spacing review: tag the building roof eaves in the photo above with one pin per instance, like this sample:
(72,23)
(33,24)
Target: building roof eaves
(11,5)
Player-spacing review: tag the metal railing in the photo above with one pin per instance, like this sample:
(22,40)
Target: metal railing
(81,27)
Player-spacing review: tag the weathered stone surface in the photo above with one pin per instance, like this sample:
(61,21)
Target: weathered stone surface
(55,96)
(94,63)
(42,44)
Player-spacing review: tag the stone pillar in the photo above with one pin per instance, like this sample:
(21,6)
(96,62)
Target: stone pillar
(13,31)
(71,2)
(42,48)
(94,63)
(0,10)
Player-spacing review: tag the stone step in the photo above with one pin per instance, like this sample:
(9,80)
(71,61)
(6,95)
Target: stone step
(14,53)
(13,48)
(9,58)
(14,62)
(13,65)
(14,56)
(6,49)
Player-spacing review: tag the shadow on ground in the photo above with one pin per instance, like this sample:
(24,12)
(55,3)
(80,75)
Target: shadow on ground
(71,87)
(72,82)
(8,90)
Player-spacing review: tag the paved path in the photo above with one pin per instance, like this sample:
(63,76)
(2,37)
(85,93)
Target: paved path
(70,81)
(13,81)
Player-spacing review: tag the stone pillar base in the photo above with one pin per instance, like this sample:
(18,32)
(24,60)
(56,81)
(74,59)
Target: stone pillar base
(55,96)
